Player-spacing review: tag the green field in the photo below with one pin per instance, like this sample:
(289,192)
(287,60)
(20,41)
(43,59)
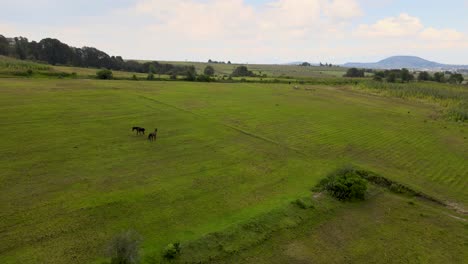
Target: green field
(73,174)
(271,70)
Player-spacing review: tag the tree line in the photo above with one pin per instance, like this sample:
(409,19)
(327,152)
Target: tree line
(53,51)
(404,75)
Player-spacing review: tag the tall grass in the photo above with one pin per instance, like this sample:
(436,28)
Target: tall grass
(453,97)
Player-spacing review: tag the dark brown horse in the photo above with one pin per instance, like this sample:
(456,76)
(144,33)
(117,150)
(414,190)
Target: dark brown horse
(139,130)
(152,136)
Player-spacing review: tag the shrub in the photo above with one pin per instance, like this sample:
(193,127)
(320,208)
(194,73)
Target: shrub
(173,76)
(134,77)
(209,70)
(203,78)
(104,74)
(344,184)
(191,76)
(242,71)
(396,188)
(123,248)
(150,76)
(171,251)
(354,73)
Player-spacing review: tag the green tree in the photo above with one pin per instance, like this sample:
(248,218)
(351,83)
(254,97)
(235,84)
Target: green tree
(151,69)
(354,73)
(21,47)
(439,77)
(55,52)
(456,78)
(191,74)
(209,70)
(391,77)
(424,76)
(4,46)
(406,76)
(242,71)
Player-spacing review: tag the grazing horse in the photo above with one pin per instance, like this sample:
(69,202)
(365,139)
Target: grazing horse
(152,136)
(139,130)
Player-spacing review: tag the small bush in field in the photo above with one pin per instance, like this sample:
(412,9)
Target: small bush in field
(171,251)
(104,74)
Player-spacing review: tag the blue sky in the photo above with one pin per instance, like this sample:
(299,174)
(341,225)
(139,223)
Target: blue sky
(267,31)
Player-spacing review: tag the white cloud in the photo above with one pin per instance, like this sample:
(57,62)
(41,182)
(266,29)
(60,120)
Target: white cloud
(277,31)
(231,29)
(405,34)
(400,26)
(431,33)
(343,9)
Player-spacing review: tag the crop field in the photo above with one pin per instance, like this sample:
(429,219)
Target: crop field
(73,174)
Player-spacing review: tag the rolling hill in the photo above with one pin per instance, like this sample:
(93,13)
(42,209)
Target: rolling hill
(411,62)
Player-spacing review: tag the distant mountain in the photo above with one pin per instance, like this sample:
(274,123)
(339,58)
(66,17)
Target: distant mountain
(409,62)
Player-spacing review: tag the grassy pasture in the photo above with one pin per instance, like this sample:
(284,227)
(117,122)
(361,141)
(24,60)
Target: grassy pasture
(383,229)
(271,70)
(73,174)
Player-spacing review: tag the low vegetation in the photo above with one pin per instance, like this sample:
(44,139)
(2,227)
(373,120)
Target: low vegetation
(452,97)
(171,251)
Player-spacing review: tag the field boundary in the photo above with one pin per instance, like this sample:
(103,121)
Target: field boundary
(400,188)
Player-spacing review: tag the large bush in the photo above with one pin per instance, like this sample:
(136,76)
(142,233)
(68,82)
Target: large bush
(344,184)
(104,74)
(354,73)
(242,71)
(209,70)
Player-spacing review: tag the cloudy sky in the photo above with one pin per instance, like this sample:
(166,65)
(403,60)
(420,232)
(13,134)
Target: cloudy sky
(249,31)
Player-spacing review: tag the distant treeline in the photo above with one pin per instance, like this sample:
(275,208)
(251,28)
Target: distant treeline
(404,75)
(53,51)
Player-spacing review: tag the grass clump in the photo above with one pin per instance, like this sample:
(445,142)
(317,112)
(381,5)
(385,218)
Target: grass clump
(344,184)
(301,204)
